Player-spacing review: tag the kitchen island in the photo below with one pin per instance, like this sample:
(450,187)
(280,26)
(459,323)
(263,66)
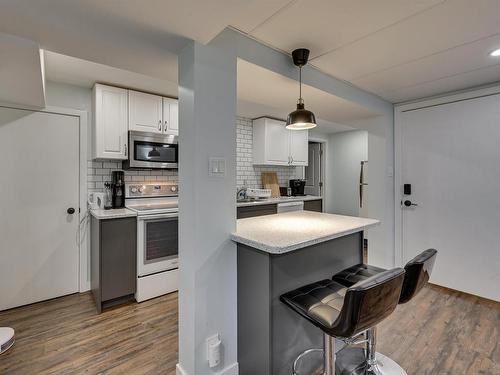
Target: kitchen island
(276,254)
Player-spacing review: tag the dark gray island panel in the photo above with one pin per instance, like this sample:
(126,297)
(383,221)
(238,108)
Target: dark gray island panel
(270,336)
(258,210)
(314,205)
(113,260)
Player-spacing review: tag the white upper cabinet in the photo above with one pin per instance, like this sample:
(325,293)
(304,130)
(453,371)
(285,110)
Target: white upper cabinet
(299,141)
(170,116)
(145,112)
(274,144)
(110,125)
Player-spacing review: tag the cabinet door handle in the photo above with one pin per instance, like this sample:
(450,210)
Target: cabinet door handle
(291,159)
(125,149)
(159,126)
(166,126)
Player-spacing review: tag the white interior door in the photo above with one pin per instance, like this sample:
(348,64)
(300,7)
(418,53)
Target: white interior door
(450,156)
(39,158)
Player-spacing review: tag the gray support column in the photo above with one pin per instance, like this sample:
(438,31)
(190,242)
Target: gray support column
(207,290)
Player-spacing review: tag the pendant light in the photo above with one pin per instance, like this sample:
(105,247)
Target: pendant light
(301,118)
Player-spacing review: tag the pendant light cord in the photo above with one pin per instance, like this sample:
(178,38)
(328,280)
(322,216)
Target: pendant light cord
(300,83)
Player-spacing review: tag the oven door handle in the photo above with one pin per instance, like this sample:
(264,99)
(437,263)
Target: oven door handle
(159,216)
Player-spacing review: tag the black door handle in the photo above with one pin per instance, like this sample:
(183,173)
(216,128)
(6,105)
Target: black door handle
(408,203)
(70,211)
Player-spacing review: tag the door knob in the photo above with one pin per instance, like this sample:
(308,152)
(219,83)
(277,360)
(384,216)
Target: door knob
(70,211)
(409,203)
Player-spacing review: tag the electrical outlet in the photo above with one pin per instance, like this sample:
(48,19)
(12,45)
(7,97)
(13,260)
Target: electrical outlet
(214,344)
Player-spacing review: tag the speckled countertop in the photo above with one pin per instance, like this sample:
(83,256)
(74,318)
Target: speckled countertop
(115,213)
(278,200)
(284,232)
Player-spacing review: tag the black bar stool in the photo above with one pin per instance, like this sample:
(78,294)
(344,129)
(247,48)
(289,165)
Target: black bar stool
(342,312)
(418,271)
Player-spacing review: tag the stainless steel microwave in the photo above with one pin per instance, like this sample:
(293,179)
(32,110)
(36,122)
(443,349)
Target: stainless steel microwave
(152,151)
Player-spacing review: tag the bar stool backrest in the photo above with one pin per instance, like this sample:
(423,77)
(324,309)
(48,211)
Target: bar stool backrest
(418,271)
(370,301)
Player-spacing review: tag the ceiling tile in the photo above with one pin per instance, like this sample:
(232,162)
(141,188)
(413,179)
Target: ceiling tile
(448,63)
(453,23)
(490,74)
(322,25)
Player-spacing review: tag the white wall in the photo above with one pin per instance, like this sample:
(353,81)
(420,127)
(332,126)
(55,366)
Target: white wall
(207,205)
(69,96)
(345,152)
(380,191)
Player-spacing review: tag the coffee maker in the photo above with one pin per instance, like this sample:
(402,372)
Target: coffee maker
(118,189)
(297,187)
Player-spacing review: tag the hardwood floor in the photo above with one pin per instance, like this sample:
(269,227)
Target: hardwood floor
(67,336)
(444,332)
(440,332)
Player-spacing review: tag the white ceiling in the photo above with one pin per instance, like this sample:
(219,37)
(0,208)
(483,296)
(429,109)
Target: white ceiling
(21,72)
(142,36)
(260,92)
(83,73)
(265,93)
(397,49)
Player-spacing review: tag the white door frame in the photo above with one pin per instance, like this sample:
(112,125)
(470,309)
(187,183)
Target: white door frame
(83,243)
(398,152)
(324,148)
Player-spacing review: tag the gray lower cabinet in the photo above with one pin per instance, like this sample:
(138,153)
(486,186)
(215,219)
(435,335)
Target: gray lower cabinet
(315,205)
(113,260)
(259,210)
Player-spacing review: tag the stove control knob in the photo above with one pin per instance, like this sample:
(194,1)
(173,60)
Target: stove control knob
(173,189)
(133,189)
(141,189)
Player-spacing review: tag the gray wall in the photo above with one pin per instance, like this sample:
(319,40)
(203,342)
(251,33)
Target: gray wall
(207,294)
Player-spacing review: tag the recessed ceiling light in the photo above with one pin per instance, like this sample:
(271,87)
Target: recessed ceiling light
(495,53)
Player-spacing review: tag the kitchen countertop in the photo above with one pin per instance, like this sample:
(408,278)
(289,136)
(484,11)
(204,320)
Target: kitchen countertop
(114,213)
(278,200)
(285,232)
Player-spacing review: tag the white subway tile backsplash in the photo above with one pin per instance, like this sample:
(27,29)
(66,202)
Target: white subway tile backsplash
(247,174)
(100,172)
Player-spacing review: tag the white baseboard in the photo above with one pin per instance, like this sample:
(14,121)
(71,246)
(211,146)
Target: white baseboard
(179,370)
(231,370)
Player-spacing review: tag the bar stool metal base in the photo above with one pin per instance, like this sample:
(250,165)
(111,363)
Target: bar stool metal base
(386,366)
(352,361)
(323,366)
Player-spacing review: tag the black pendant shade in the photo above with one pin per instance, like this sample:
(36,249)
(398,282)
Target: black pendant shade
(301,118)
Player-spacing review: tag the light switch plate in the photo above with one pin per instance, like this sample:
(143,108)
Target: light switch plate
(217,167)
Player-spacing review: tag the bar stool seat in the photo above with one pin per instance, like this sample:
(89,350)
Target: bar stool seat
(417,274)
(342,312)
(320,303)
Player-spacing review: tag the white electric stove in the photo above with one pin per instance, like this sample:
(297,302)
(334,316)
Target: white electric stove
(157,210)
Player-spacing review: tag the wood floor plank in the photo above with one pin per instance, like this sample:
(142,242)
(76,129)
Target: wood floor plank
(440,332)
(67,336)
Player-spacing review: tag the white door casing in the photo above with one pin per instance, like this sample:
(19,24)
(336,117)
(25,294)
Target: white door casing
(313,171)
(448,151)
(39,252)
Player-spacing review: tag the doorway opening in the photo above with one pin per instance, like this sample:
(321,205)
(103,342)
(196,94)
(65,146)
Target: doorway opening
(314,172)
